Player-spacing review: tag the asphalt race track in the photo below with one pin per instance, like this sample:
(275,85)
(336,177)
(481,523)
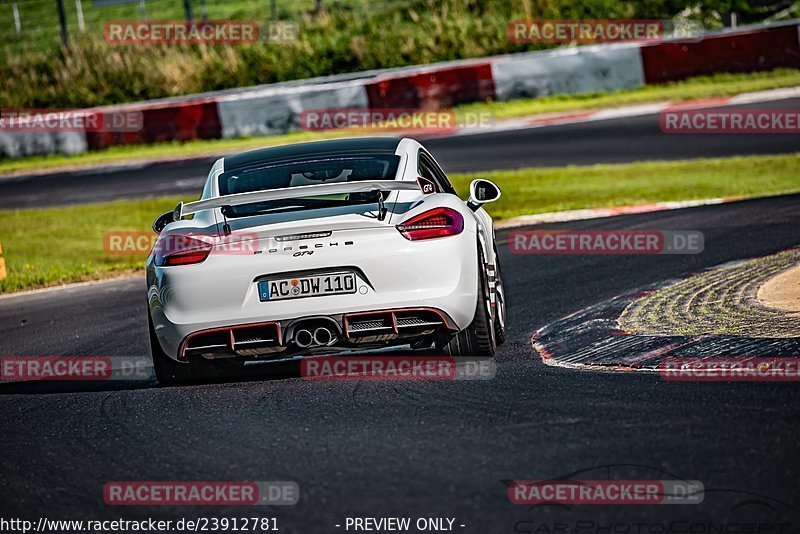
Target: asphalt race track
(416,449)
(608,141)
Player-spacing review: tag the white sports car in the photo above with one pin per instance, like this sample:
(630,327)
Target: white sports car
(326,246)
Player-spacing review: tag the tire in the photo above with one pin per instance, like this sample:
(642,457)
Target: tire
(478,339)
(169,371)
(500,306)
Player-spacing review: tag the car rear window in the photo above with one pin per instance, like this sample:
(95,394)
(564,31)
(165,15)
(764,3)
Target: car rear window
(324,170)
(317,171)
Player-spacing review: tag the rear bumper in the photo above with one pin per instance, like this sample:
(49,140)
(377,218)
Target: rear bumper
(439,275)
(275,339)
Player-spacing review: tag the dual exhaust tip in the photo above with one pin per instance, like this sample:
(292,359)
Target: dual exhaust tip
(321,337)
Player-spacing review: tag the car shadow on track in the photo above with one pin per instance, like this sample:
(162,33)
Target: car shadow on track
(251,371)
(261,372)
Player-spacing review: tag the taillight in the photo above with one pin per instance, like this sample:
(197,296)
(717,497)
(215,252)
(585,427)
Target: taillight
(180,250)
(438,222)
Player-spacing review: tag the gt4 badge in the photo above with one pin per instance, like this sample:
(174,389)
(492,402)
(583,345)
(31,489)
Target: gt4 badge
(426,186)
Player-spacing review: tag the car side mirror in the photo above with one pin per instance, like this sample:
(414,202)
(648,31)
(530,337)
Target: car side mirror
(163,220)
(481,192)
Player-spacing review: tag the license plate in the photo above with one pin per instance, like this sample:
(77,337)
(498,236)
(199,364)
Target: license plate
(306,286)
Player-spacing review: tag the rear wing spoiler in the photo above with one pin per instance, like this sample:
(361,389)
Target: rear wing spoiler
(252,197)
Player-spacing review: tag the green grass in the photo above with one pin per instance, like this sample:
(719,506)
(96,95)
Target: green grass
(52,246)
(349,36)
(718,85)
(695,88)
(40,27)
(530,191)
(58,245)
(36,71)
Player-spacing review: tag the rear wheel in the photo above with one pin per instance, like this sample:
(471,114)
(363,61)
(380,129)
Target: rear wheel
(500,303)
(169,371)
(478,339)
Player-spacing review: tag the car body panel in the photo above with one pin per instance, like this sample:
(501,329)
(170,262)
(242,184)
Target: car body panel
(392,272)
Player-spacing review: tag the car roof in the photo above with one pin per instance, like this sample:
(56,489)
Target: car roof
(358,145)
